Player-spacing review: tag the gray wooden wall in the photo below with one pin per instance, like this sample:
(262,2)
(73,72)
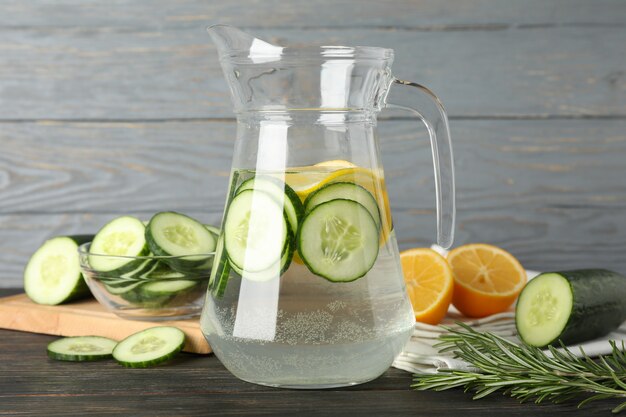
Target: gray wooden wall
(110,107)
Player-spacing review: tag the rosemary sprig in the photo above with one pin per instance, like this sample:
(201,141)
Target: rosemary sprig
(526,372)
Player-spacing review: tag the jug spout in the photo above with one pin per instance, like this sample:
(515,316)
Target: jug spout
(230,40)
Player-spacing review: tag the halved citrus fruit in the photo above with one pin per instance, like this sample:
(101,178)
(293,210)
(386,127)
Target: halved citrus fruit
(487,279)
(429,283)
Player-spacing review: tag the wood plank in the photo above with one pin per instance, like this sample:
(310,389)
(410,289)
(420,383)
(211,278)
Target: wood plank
(86,317)
(431,14)
(114,167)
(144,167)
(173,73)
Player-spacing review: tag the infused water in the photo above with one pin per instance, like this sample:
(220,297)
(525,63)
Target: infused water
(307,289)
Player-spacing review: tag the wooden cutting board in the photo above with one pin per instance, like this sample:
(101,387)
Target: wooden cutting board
(84,318)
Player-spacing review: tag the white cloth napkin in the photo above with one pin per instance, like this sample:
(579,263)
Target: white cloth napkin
(419,355)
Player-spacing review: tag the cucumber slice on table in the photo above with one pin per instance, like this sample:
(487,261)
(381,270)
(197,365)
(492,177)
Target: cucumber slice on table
(344,190)
(338,240)
(81,348)
(149,347)
(256,231)
(570,306)
(121,239)
(281,192)
(174,234)
(52,275)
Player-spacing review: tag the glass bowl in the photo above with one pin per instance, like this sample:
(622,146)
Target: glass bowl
(150,288)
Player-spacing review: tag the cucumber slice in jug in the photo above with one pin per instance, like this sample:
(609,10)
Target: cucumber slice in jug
(221,272)
(344,190)
(256,231)
(273,271)
(338,240)
(149,347)
(281,192)
(121,239)
(174,234)
(52,275)
(570,306)
(81,348)
(213,229)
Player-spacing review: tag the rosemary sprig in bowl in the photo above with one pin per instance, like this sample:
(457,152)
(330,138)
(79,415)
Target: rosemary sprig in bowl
(525,372)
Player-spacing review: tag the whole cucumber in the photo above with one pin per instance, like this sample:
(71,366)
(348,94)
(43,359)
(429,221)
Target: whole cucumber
(570,306)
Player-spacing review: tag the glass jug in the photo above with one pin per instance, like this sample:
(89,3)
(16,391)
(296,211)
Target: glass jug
(307,289)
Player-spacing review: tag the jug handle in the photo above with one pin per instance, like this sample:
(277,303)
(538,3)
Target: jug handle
(433,115)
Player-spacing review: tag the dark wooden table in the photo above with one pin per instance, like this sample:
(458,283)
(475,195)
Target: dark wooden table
(195,385)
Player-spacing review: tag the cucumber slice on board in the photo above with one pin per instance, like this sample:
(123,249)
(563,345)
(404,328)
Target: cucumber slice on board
(344,190)
(114,246)
(570,306)
(81,348)
(256,231)
(338,240)
(174,234)
(52,275)
(149,347)
(281,192)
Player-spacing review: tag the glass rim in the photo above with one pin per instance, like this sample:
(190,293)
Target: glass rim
(84,250)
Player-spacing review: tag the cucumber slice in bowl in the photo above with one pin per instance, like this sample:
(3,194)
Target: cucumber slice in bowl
(81,348)
(570,306)
(186,240)
(256,231)
(166,287)
(52,275)
(122,289)
(338,240)
(162,271)
(149,347)
(116,245)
